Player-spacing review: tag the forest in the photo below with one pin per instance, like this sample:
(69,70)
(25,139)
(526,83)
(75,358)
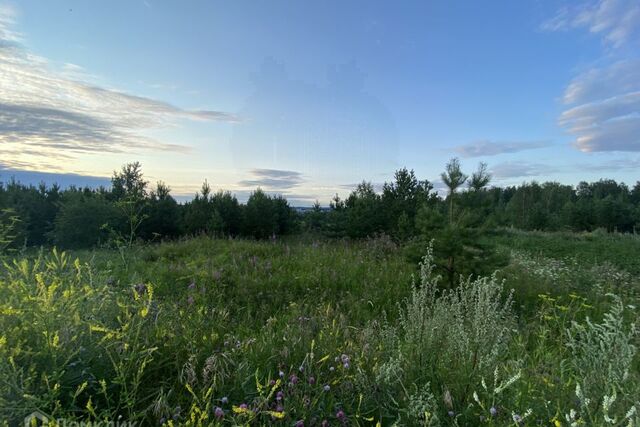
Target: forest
(131,209)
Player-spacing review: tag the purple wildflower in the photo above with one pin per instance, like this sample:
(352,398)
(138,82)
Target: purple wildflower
(341,415)
(224,400)
(218,412)
(325,423)
(293,379)
(279,395)
(300,423)
(243,406)
(140,288)
(312,380)
(281,374)
(493,411)
(272,383)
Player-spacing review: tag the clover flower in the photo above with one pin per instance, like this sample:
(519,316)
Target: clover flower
(341,415)
(218,412)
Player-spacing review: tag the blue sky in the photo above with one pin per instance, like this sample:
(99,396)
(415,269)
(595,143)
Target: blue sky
(308,98)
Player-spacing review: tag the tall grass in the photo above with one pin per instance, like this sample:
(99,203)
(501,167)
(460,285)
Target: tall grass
(231,332)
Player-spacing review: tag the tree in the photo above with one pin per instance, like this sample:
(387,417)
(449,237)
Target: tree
(82,220)
(259,216)
(162,214)
(453,178)
(364,214)
(480,178)
(129,190)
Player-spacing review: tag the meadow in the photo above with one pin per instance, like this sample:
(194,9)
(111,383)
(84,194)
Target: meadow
(313,332)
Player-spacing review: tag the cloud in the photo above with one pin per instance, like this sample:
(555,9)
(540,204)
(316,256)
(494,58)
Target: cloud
(611,165)
(517,169)
(603,102)
(273,179)
(617,21)
(491,148)
(604,113)
(58,111)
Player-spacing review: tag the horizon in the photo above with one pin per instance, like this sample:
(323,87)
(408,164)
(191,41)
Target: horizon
(308,100)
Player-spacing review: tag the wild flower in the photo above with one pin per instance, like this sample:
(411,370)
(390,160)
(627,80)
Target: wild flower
(300,423)
(312,380)
(293,379)
(340,415)
(224,400)
(493,411)
(218,412)
(326,387)
(279,395)
(140,288)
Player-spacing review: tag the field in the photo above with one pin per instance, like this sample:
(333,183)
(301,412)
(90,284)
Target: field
(309,332)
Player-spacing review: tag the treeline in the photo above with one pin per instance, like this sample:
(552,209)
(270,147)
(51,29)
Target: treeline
(407,205)
(130,209)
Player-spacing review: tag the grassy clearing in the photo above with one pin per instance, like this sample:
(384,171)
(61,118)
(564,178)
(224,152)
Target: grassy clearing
(300,332)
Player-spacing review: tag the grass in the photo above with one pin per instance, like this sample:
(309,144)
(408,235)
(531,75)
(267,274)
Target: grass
(304,332)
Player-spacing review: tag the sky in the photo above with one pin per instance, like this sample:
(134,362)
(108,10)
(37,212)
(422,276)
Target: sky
(307,99)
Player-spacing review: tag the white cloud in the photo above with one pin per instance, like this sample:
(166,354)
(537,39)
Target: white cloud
(617,21)
(50,112)
(604,113)
(603,102)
